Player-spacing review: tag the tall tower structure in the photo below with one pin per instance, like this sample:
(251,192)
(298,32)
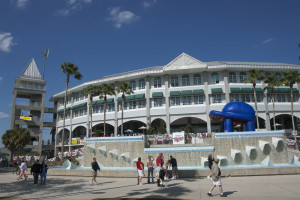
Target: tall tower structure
(28,107)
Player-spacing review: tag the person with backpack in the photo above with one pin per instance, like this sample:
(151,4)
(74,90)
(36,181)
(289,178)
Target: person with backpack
(216,178)
(95,168)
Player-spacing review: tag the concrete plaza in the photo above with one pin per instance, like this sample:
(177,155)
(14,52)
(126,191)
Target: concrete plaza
(71,187)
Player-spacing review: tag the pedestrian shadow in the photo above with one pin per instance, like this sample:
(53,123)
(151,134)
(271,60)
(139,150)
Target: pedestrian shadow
(229,192)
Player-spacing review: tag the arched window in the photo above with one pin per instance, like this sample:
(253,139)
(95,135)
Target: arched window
(243,76)
(133,85)
(214,78)
(197,79)
(185,80)
(157,82)
(278,75)
(142,84)
(267,74)
(174,81)
(232,77)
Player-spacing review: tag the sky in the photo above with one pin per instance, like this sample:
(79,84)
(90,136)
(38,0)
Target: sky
(105,37)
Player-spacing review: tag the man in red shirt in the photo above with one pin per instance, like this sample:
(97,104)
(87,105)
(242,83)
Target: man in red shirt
(140,170)
(158,170)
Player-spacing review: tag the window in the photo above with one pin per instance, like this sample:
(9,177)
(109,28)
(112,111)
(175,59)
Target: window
(214,78)
(216,98)
(175,101)
(267,74)
(187,100)
(79,96)
(281,98)
(234,97)
(198,99)
(185,80)
(245,97)
(142,84)
(158,102)
(278,75)
(110,107)
(133,85)
(142,103)
(157,82)
(243,76)
(232,77)
(80,112)
(95,109)
(295,97)
(197,79)
(101,108)
(269,98)
(132,105)
(258,97)
(174,81)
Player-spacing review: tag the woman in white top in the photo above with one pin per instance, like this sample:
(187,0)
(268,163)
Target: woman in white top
(23,167)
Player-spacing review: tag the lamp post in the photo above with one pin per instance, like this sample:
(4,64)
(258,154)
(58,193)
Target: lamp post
(45,54)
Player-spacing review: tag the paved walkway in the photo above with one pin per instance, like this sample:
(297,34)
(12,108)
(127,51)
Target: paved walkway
(65,187)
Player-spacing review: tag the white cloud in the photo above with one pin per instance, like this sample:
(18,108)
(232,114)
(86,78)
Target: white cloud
(72,5)
(121,18)
(148,4)
(3,115)
(21,4)
(1,78)
(267,41)
(6,41)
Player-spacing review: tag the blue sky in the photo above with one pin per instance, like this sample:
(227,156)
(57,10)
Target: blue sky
(104,37)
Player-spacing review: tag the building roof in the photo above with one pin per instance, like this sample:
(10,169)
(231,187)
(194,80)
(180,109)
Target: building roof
(31,71)
(187,63)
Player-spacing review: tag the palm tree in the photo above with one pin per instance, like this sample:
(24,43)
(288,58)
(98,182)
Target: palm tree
(255,75)
(289,79)
(91,91)
(105,90)
(272,82)
(69,69)
(15,140)
(124,88)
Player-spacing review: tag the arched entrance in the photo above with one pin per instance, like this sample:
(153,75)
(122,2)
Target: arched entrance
(79,131)
(198,125)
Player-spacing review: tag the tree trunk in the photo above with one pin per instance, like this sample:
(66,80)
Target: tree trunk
(274,121)
(255,102)
(122,114)
(64,119)
(104,113)
(91,115)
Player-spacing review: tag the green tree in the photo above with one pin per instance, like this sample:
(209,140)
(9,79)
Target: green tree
(69,69)
(272,82)
(105,90)
(124,88)
(150,130)
(188,128)
(289,79)
(255,75)
(15,140)
(91,91)
(162,129)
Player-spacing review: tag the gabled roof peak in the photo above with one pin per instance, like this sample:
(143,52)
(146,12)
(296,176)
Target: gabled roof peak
(184,61)
(31,71)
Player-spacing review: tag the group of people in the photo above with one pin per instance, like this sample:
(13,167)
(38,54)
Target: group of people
(36,170)
(162,171)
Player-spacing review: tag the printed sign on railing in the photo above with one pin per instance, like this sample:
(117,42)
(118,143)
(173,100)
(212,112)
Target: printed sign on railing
(178,137)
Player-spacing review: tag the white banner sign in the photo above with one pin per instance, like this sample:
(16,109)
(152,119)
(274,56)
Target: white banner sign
(178,137)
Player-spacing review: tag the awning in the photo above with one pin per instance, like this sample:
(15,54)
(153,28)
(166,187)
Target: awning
(139,96)
(62,110)
(78,106)
(131,97)
(216,90)
(260,90)
(175,93)
(110,100)
(157,94)
(187,92)
(101,101)
(200,91)
(247,90)
(235,90)
(119,99)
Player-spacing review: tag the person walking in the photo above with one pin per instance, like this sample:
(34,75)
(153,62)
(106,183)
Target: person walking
(23,168)
(150,166)
(210,163)
(173,162)
(43,174)
(216,178)
(95,168)
(35,170)
(140,170)
(159,171)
